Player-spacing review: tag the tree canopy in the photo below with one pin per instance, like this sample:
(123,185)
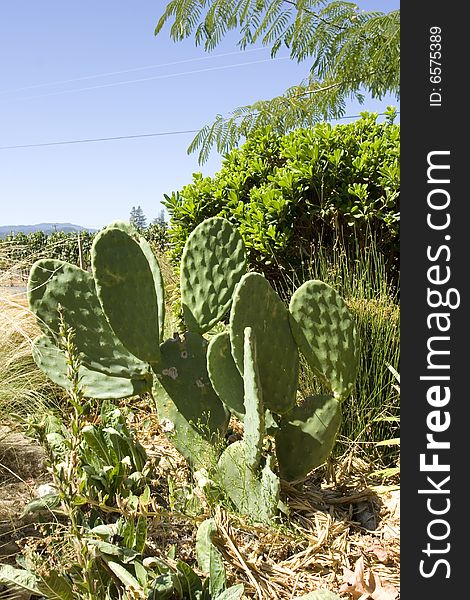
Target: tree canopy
(350,52)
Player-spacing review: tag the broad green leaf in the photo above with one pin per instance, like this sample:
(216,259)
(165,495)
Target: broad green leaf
(48,502)
(140,534)
(104,530)
(209,558)
(94,440)
(233,593)
(127,579)
(56,587)
(106,548)
(190,583)
(19,578)
(141,573)
(162,588)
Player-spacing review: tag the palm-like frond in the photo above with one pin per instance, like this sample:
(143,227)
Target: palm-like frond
(350,51)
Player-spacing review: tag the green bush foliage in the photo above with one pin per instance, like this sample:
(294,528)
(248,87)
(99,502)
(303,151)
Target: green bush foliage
(289,194)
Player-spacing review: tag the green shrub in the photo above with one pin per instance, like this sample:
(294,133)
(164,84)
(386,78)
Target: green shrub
(291,194)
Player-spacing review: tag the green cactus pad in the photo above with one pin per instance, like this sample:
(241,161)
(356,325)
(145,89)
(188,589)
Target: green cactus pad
(256,305)
(95,384)
(252,488)
(254,411)
(158,282)
(212,263)
(154,267)
(195,417)
(253,494)
(325,332)
(126,227)
(306,436)
(224,375)
(126,290)
(54,282)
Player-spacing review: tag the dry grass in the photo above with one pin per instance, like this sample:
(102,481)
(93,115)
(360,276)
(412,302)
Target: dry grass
(23,388)
(337,515)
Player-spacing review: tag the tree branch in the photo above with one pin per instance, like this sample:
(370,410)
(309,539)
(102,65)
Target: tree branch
(314,14)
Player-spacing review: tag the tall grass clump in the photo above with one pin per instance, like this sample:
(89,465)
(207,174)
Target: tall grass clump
(24,389)
(360,276)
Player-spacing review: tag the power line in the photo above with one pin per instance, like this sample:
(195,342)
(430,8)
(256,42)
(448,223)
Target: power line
(104,139)
(133,70)
(129,137)
(168,76)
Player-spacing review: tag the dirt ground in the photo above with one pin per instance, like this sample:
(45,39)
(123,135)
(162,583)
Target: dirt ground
(22,469)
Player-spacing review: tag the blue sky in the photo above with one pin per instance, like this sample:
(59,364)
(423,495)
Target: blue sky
(94,69)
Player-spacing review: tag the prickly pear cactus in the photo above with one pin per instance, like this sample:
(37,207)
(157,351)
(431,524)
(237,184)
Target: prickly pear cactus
(306,436)
(52,283)
(256,305)
(192,414)
(95,384)
(326,335)
(118,318)
(224,375)
(212,263)
(158,282)
(126,289)
(253,487)
(254,408)
(253,494)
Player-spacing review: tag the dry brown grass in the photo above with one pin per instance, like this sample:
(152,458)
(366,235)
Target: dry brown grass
(337,515)
(24,389)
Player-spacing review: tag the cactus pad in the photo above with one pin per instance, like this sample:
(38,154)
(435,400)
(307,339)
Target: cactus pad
(212,263)
(194,416)
(325,332)
(256,305)
(306,436)
(254,494)
(253,488)
(52,283)
(254,410)
(158,282)
(127,292)
(224,374)
(97,385)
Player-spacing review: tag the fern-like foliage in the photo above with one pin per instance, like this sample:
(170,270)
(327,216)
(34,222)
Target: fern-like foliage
(350,53)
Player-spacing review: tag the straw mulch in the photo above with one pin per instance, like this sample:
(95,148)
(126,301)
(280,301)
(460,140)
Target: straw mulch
(338,520)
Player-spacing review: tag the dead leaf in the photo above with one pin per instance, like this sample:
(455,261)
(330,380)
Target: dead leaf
(365,588)
(380,552)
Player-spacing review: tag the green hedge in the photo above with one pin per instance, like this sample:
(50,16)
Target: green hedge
(289,194)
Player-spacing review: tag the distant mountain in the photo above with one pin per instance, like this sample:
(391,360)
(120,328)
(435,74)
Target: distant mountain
(47,228)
